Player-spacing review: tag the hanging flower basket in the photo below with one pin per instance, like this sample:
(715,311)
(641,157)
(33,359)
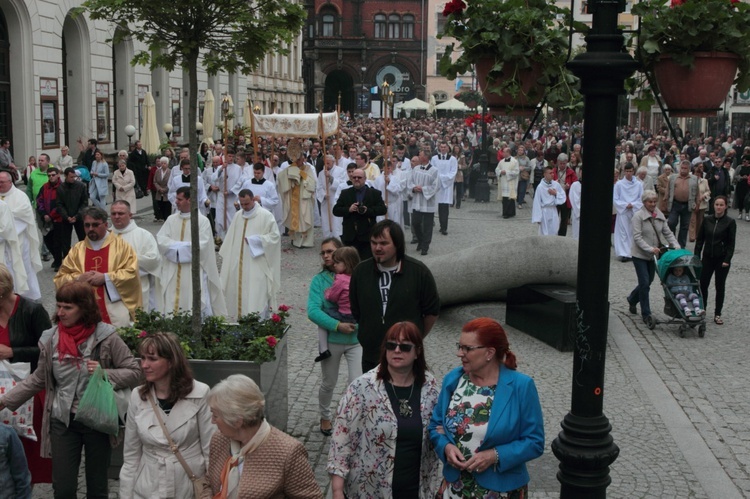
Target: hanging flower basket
(524,102)
(699,91)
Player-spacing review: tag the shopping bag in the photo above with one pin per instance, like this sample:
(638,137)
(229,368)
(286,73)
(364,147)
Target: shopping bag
(22,418)
(97,408)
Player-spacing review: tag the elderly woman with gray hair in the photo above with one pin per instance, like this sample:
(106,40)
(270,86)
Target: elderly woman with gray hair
(123,181)
(650,235)
(249,458)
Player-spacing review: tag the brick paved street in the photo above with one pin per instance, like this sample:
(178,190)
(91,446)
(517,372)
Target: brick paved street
(678,406)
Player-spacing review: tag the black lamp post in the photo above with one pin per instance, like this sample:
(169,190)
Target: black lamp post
(585,447)
(482,186)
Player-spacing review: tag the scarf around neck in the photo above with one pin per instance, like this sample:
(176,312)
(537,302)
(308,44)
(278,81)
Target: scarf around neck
(70,338)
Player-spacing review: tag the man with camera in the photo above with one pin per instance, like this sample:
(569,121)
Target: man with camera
(359,205)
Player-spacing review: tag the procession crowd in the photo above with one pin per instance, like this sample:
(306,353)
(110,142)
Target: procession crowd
(372,303)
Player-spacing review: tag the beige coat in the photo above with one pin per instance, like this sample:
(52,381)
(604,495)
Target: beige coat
(645,239)
(126,182)
(113,355)
(150,469)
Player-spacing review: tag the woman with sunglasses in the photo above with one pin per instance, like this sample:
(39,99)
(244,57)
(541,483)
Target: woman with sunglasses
(380,446)
(488,421)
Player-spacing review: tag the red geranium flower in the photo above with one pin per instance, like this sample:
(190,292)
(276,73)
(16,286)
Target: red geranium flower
(276,317)
(143,334)
(283,308)
(454,7)
(675,3)
(271,340)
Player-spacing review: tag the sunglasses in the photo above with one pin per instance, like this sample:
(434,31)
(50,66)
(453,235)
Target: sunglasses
(404,347)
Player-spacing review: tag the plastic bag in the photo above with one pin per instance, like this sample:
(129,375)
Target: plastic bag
(97,408)
(22,418)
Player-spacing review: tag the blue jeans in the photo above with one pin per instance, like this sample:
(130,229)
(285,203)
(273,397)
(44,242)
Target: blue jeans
(645,271)
(521,191)
(679,212)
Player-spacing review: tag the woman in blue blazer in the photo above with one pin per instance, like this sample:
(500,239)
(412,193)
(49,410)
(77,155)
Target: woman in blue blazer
(488,421)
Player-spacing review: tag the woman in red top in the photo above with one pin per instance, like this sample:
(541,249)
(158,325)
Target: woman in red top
(22,322)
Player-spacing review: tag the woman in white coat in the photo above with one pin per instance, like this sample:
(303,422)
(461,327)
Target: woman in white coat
(150,469)
(124,182)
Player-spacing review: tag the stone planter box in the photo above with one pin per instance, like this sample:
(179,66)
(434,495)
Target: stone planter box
(271,377)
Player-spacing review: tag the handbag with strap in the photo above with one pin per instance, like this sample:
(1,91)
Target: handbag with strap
(201,487)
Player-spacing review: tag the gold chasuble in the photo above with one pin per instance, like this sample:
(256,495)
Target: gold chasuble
(118,260)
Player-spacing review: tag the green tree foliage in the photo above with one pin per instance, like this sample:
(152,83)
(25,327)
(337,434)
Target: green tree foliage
(226,35)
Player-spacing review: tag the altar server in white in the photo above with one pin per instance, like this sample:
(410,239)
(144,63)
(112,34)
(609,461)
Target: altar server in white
(24,219)
(183,180)
(174,242)
(392,183)
(146,249)
(329,179)
(627,200)
(548,195)
(265,193)
(575,204)
(223,181)
(251,256)
(447,166)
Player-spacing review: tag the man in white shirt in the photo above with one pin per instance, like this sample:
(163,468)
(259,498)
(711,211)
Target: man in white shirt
(423,185)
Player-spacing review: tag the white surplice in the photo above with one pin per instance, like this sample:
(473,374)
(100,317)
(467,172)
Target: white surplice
(24,218)
(545,207)
(626,192)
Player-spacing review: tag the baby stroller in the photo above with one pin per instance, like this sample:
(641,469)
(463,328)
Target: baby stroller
(692,268)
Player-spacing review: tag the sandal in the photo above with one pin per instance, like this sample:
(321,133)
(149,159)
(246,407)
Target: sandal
(718,320)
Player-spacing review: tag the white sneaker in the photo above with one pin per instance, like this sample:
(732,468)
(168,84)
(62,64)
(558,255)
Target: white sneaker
(747,217)
(739,217)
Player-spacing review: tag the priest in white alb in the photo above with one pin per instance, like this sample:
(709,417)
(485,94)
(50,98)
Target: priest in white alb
(627,200)
(107,263)
(326,187)
(548,195)
(146,249)
(174,240)
(392,183)
(10,250)
(24,219)
(297,191)
(251,260)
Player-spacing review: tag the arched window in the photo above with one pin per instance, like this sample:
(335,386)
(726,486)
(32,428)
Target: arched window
(327,24)
(394,26)
(407,30)
(380,25)
(328,19)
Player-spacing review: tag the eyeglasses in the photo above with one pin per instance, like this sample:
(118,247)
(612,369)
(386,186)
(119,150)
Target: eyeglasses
(404,347)
(92,225)
(468,348)
(358,178)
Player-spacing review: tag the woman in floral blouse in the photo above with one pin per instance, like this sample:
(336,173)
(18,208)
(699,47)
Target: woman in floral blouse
(380,446)
(488,421)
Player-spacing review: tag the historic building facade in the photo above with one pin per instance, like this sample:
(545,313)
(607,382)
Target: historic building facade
(60,81)
(352,46)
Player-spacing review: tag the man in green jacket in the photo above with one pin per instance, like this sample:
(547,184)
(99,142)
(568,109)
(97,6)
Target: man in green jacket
(37,178)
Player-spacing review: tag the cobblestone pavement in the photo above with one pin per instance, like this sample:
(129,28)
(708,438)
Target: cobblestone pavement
(678,406)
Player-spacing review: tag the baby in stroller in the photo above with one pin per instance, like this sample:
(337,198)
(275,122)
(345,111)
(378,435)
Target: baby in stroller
(681,288)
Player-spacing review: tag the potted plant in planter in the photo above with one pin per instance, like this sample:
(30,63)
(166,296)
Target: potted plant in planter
(471,98)
(695,49)
(253,346)
(519,49)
